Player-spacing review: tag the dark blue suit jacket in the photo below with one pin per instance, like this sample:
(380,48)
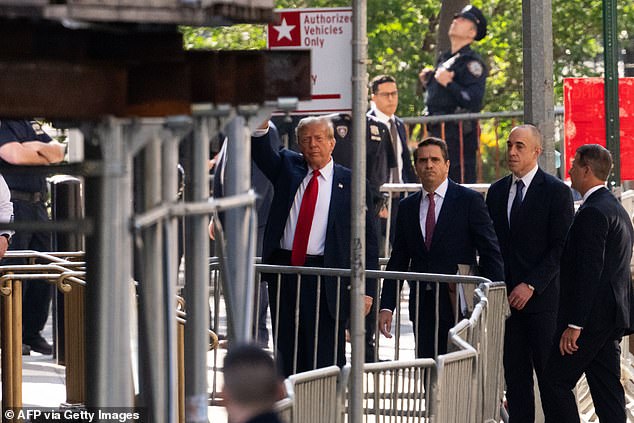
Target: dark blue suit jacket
(286,169)
(596,283)
(532,247)
(463,228)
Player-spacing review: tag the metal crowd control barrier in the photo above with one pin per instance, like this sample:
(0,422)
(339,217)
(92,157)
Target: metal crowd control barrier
(315,395)
(67,273)
(284,409)
(455,380)
(398,391)
(448,389)
(403,390)
(58,270)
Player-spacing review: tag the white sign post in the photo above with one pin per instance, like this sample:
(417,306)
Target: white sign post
(328,35)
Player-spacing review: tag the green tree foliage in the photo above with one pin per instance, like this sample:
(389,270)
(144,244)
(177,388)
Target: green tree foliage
(402,36)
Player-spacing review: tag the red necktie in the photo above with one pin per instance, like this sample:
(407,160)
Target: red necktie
(430,220)
(305,221)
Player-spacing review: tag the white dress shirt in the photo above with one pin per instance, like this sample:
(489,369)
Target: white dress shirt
(382,117)
(527,179)
(317,238)
(439,197)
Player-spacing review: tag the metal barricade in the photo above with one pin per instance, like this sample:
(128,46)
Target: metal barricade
(57,270)
(492,348)
(398,391)
(315,395)
(67,272)
(455,381)
(284,409)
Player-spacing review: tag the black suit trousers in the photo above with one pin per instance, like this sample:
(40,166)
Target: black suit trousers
(425,327)
(36,294)
(599,357)
(315,329)
(528,341)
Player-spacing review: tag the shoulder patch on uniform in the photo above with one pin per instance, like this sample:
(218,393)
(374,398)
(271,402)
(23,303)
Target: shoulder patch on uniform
(475,68)
(342,130)
(37,128)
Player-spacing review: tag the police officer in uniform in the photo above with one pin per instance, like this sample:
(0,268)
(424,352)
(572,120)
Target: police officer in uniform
(24,142)
(379,152)
(457,85)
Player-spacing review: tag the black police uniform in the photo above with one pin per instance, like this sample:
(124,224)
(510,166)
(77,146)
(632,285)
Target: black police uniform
(380,157)
(463,95)
(28,195)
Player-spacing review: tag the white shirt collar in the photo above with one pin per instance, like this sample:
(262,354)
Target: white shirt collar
(326,172)
(528,178)
(441,191)
(591,191)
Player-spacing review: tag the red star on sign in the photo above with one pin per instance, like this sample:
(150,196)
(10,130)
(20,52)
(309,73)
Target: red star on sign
(286,32)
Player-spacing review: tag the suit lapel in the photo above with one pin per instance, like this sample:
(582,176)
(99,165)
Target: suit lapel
(336,197)
(505,200)
(418,232)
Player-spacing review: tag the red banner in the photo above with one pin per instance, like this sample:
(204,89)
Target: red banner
(584,119)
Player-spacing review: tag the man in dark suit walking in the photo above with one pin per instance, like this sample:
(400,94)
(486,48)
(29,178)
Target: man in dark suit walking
(437,228)
(309,225)
(596,291)
(531,212)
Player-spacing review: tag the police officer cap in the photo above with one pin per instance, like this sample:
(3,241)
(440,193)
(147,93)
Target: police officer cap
(474,15)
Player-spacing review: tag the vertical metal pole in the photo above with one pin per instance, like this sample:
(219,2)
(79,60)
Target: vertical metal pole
(197,279)
(157,348)
(357,245)
(238,285)
(108,356)
(611,51)
(539,106)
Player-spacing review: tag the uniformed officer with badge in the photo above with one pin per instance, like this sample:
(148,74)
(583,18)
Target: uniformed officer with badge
(380,157)
(457,85)
(24,143)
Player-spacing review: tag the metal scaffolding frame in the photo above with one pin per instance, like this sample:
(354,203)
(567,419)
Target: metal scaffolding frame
(109,201)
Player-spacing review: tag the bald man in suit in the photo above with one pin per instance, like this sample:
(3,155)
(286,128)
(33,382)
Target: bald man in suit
(531,224)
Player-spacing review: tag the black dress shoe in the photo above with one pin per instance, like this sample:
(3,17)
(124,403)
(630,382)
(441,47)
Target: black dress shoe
(26,350)
(40,345)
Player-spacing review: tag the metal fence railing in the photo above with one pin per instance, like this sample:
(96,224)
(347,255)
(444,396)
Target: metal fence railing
(446,389)
(490,160)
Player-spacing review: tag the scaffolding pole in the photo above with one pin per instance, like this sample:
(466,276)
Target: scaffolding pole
(239,278)
(197,277)
(357,246)
(537,28)
(109,252)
